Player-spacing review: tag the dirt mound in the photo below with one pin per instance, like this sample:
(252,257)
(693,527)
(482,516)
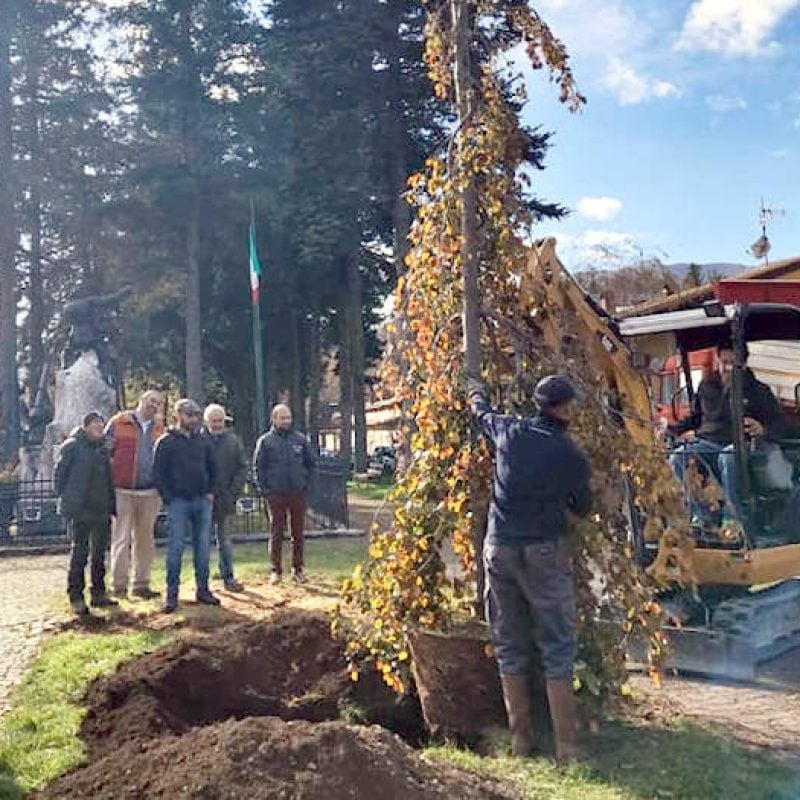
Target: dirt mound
(289,667)
(269,758)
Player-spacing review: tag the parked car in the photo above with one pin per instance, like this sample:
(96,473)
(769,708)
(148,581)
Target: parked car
(382,462)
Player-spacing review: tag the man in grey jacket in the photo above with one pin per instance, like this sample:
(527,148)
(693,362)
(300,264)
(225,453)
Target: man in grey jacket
(284,462)
(231,476)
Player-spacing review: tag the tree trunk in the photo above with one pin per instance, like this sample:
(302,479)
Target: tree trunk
(346,385)
(314,381)
(401,221)
(36,313)
(465,99)
(194,363)
(296,371)
(191,158)
(462,19)
(35,293)
(357,358)
(9,401)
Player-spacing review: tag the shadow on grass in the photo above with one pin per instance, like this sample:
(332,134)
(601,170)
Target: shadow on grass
(683,760)
(626,761)
(9,788)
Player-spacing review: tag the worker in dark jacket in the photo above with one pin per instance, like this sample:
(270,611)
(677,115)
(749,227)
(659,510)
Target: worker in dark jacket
(712,424)
(540,474)
(86,499)
(184,473)
(284,462)
(231,476)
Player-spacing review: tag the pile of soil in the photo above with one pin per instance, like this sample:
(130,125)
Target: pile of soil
(269,758)
(289,667)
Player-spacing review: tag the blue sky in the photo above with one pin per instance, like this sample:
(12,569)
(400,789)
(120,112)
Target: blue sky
(693,116)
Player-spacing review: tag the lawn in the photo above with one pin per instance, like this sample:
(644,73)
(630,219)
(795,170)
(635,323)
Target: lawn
(679,761)
(370,490)
(625,761)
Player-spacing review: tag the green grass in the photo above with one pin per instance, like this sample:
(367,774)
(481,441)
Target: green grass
(38,736)
(370,490)
(634,762)
(326,560)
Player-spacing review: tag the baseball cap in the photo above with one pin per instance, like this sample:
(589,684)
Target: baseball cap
(554,390)
(186,406)
(91,417)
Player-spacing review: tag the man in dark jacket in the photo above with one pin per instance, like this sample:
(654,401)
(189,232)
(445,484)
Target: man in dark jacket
(283,462)
(540,474)
(86,499)
(184,473)
(231,476)
(712,424)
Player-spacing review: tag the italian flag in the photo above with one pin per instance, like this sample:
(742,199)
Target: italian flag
(255,267)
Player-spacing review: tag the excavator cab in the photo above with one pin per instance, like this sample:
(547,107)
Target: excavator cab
(767,487)
(747,605)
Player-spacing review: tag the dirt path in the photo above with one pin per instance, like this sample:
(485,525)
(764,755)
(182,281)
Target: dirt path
(363,512)
(764,715)
(27,586)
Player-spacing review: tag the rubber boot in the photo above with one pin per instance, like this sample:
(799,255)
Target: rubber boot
(517,697)
(561,698)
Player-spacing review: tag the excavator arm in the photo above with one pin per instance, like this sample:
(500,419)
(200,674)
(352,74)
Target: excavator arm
(630,396)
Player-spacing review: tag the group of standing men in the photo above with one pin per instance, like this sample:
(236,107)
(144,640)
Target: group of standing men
(113,478)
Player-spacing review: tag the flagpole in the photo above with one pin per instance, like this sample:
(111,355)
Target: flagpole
(258,345)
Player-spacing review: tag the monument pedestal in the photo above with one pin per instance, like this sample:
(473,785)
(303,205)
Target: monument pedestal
(79,389)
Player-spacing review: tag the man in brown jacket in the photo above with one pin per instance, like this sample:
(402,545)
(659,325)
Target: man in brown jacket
(132,436)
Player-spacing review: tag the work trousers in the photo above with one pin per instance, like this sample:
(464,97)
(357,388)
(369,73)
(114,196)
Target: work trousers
(134,530)
(530,607)
(89,537)
(281,505)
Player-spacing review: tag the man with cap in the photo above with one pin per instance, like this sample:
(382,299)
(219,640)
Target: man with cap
(184,472)
(540,474)
(86,499)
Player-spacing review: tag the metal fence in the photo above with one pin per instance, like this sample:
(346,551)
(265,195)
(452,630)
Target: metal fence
(29,509)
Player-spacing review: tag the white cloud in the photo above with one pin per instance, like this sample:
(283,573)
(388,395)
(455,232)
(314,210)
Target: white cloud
(733,27)
(631,88)
(780,153)
(722,103)
(603,28)
(599,208)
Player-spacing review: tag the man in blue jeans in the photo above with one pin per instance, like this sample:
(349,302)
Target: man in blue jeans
(539,475)
(184,473)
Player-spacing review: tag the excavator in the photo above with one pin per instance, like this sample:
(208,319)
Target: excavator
(744,605)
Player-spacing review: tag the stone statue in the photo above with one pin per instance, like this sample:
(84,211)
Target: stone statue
(40,414)
(91,321)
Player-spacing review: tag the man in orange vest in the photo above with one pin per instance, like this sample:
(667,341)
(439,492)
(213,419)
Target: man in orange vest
(132,436)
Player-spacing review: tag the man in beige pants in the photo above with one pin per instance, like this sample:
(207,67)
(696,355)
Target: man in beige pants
(132,436)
